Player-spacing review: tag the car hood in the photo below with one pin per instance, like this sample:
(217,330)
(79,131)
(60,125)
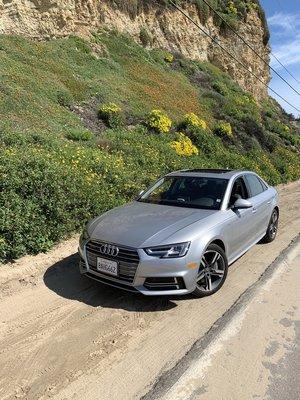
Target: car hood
(142,224)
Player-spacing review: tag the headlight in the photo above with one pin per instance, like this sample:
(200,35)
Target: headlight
(169,251)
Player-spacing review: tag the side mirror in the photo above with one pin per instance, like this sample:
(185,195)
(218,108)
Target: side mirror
(242,204)
(140,194)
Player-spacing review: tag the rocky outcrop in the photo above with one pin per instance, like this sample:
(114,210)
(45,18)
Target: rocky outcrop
(153,23)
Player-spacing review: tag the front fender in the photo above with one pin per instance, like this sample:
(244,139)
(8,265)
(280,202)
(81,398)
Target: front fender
(200,244)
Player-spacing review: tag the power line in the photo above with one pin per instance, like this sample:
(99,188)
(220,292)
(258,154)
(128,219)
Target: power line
(252,48)
(277,59)
(231,55)
(292,27)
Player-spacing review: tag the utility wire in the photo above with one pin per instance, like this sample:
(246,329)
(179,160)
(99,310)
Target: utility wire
(252,48)
(293,76)
(230,54)
(292,27)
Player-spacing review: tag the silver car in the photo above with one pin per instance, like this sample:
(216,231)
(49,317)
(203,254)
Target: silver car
(180,235)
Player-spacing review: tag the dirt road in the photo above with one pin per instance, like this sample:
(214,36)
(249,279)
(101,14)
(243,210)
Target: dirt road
(64,337)
(254,353)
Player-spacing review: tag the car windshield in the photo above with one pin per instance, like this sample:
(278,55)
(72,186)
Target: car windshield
(187,191)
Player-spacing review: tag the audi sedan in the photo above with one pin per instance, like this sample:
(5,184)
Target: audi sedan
(180,235)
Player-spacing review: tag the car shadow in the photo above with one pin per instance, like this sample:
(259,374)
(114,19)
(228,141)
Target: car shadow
(64,279)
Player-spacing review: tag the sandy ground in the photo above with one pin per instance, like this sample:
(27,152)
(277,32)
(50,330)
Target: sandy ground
(65,337)
(257,355)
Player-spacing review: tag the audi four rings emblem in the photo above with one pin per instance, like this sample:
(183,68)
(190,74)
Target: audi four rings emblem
(109,250)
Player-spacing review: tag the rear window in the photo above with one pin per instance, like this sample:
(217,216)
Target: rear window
(255,185)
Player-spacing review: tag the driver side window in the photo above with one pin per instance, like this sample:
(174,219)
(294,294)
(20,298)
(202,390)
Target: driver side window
(239,191)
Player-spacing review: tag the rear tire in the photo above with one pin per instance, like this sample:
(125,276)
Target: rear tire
(212,271)
(272,227)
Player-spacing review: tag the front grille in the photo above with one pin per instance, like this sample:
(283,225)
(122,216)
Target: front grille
(127,258)
(164,283)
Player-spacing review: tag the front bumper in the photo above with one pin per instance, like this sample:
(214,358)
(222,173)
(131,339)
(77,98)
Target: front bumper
(153,276)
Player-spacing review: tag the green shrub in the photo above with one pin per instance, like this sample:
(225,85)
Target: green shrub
(254,129)
(159,121)
(183,146)
(145,37)
(220,87)
(169,58)
(231,8)
(192,120)
(111,114)
(223,129)
(283,130)
(64,98)
(231,20)
(251,5)
(203,11)
(77,135)
(45,195)
(287,162)
(3,249)
(81,45)
(205,141)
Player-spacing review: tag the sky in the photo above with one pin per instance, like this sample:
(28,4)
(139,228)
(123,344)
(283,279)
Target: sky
(284,23)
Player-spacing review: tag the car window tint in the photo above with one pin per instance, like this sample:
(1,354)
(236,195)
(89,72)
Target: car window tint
(255,185)
(265,187)
(239,191)
(160,191)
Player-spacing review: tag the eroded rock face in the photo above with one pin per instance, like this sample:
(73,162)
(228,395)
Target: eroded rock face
(167,28)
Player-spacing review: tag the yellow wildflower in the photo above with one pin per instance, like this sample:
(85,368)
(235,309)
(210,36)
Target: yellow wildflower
(184,146)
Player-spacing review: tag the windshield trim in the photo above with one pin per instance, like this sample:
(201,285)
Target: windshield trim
(183,205)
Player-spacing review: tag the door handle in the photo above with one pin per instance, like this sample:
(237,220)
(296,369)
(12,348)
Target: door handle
(269,202)
(254,210)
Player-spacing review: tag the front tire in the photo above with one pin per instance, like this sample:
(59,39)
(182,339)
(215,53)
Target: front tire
(272,227)
(212,271)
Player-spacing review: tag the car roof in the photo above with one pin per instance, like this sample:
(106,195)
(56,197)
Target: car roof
(209,173)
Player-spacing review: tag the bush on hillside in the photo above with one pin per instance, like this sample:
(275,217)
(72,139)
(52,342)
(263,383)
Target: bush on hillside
(64,98)
(169,58)
(192,120)
(78,135)
(254,129)
(45,194)
(204,140)
(220,87)
(145,37)
(111,114)
(223,129)
(159,121)
(231,8)
(184,146)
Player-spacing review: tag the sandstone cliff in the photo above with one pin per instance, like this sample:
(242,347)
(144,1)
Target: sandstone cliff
(165,27)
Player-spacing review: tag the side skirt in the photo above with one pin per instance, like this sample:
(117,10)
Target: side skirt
(247,249)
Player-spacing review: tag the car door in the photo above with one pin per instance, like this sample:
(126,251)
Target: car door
(260,199)
(239,222)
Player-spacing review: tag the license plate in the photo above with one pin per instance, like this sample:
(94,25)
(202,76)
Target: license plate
(107,266)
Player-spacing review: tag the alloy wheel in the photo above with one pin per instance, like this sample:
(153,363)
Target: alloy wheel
(273,224)
(211,271)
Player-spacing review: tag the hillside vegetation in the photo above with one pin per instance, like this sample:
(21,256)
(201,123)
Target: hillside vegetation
(76,136)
